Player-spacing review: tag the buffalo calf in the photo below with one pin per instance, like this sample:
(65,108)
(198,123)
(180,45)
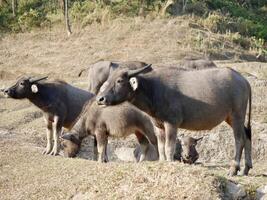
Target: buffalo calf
(116,121)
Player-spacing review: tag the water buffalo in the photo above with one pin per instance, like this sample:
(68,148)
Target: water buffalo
(115,121)
(60,102)
(193,100)
(196,64)
(99,72)
(189,152)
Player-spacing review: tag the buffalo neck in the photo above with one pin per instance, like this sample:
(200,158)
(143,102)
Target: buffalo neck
(43,98)
(79,130)
(144,95)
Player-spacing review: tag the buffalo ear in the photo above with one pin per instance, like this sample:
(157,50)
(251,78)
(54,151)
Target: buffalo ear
(34,88)
(134,83)
(66,137)
(75,140)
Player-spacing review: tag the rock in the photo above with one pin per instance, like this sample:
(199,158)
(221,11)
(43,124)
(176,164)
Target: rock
(87,149)
(125,154)
(261,193)
(151,154)
(234,191)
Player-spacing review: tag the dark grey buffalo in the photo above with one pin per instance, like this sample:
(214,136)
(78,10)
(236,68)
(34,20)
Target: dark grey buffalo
(193,100)
(60,102)
(99,72)
(196,64)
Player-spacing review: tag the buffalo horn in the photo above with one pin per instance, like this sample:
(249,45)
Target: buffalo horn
(34,80)
(199,138)
(144,69)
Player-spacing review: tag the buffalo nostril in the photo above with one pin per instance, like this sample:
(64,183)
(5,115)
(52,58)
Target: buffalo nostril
(6,92)
(101,100)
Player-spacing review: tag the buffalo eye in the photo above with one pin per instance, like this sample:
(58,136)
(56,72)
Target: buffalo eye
(119,81)
(22,83)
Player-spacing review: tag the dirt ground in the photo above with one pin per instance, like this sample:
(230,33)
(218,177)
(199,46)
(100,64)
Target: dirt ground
(27,174)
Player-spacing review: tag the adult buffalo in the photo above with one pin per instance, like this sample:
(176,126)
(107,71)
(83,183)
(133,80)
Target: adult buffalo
(99,72)
(60,102)
(193,100)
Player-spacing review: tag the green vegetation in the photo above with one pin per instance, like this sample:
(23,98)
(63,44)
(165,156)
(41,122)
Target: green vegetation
(228,15)
(246,20)
(28,14)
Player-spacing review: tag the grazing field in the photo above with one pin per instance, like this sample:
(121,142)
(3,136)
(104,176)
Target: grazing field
(27,174)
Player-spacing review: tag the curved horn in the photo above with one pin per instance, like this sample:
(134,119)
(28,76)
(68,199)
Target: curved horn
(81,72)
(34,80)
(199,138)
(144,69)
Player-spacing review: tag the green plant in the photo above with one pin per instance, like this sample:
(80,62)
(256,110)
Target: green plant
(128,8)
(31,19)
(258,45)
(238,39)
(27,5)
(81,10)
(5,18)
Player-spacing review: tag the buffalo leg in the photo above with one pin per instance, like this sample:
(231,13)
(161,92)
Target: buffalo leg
(144,145)
(161,142)
(48,137)
(170,131)
(248,160)
(102,141)
(239,135)
(57,127)
(95,148)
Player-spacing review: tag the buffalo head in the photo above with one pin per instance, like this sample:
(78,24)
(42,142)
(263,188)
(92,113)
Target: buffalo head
(70,145)
(189,152)
(120,86)
(23,88)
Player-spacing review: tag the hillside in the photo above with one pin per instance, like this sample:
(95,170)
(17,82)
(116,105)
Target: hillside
(27,174)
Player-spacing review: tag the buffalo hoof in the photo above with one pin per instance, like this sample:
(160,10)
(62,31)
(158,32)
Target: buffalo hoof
(233,171)
(46,151)
(170,160)
(53,153)
(142,158)
(245,171)
(101,161)
(162,159)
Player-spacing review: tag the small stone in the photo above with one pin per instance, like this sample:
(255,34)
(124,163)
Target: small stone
(261,193)
(235,191)
(125,154)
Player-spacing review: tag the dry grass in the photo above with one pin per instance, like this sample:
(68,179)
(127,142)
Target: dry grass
(157,41)
(26,174)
